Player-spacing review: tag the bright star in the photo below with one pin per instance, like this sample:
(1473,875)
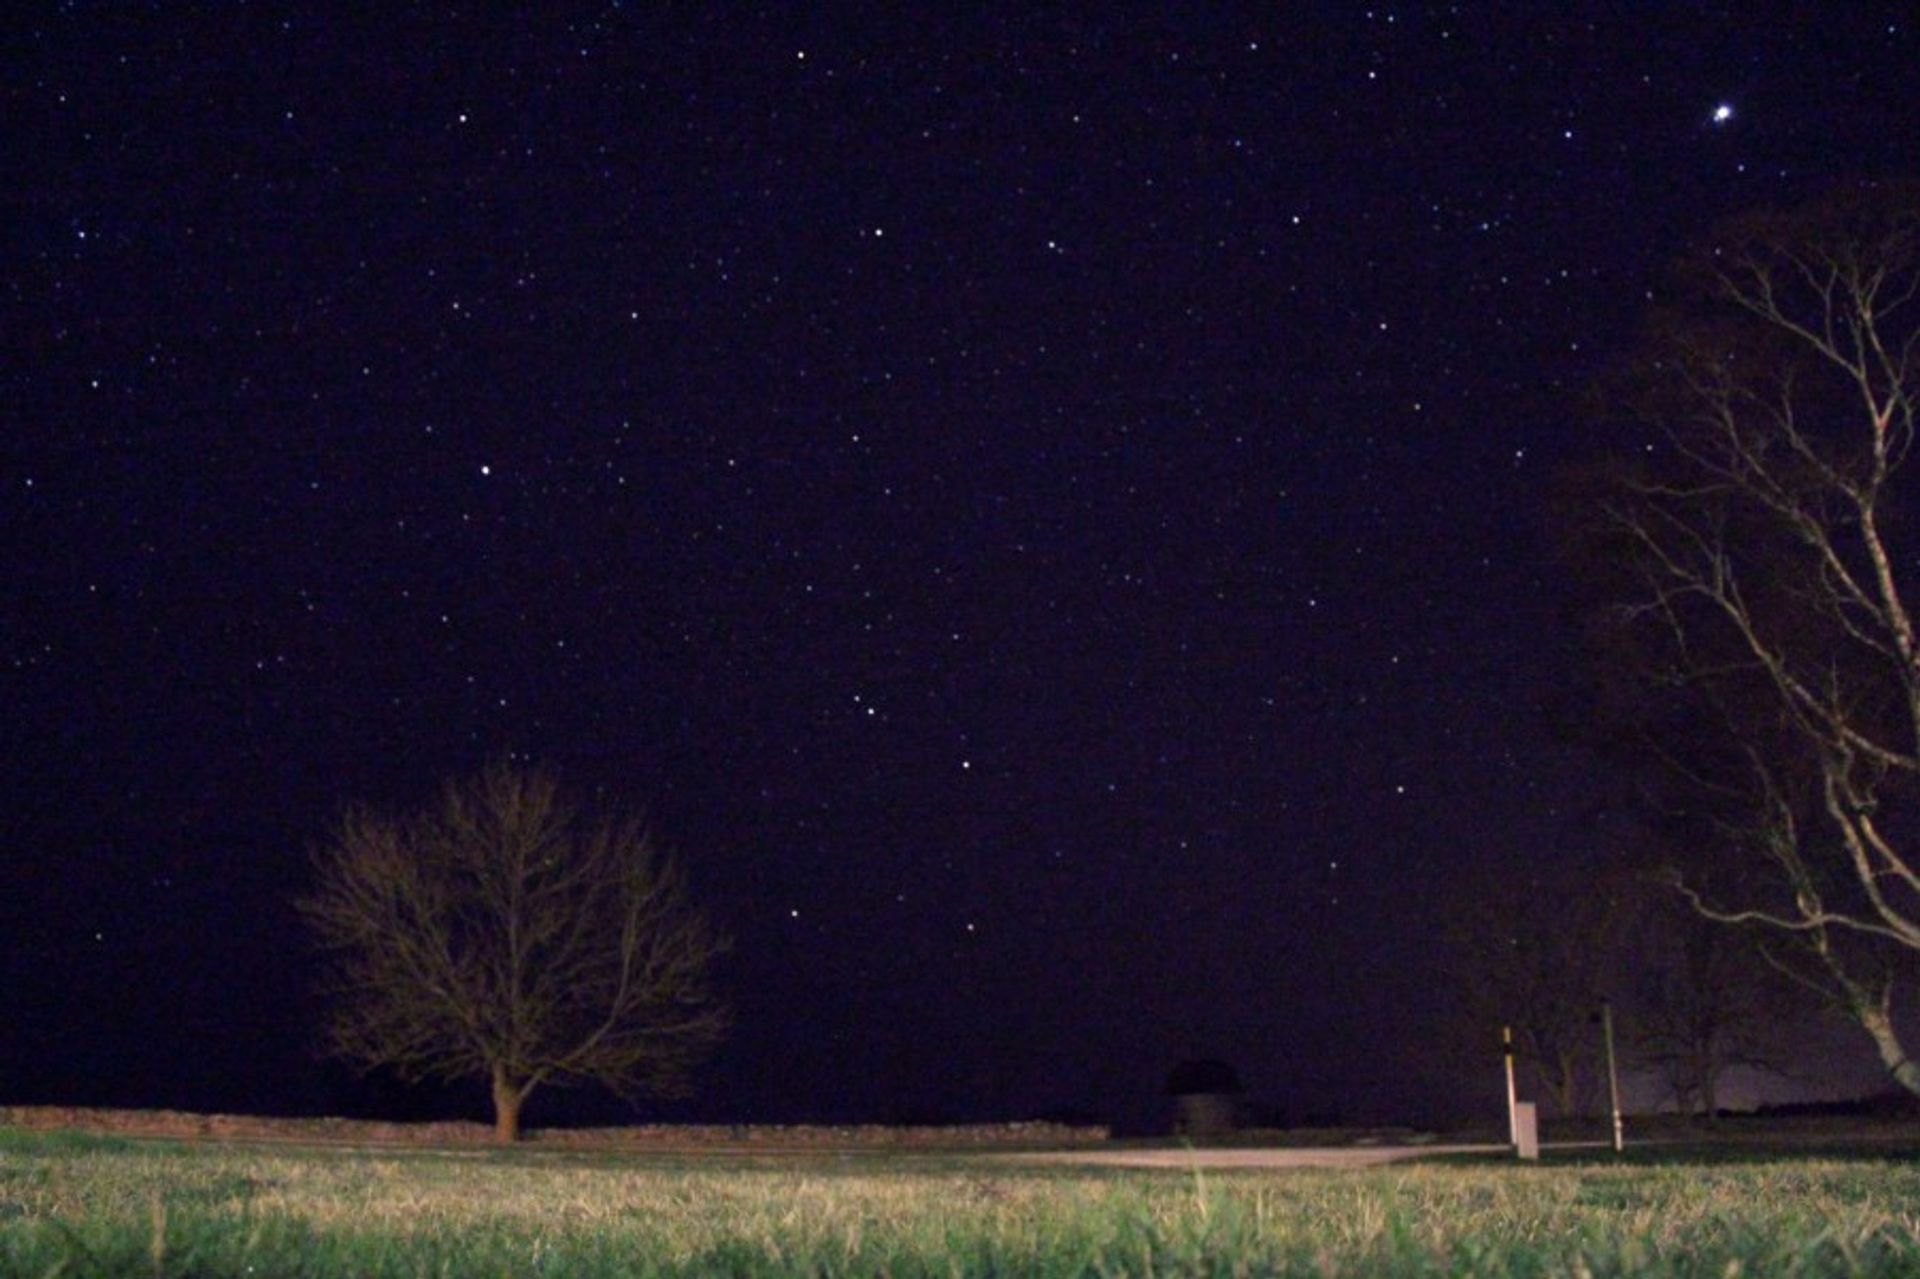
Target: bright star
(1723,113)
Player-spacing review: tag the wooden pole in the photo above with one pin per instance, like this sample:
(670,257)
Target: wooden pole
(1613,1076)
(1513,1095)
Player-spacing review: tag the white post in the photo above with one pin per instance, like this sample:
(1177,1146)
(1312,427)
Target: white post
(1513,1095)
(1526,1138)
(1613,1075)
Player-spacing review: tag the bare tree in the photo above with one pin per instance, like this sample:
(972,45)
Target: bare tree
(1699,1003)
(1765,528)
(1535,951)
(506,934)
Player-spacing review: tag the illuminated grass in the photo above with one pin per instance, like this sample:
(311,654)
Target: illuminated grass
(71,1206)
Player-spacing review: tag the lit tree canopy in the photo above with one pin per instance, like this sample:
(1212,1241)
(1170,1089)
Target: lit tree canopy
(506,933)
(1764,537)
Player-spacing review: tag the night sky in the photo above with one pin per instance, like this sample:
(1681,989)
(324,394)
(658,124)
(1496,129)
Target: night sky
(1047,514)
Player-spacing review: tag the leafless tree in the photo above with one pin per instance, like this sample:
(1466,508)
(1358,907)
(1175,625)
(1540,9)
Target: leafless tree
(1699,1003)
(507,934)
(1766,529)
(1535,950)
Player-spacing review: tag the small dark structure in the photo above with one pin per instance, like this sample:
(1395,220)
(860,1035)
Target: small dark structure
(1206,1098)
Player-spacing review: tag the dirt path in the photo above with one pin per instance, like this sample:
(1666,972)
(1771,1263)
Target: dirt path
(1299,1157)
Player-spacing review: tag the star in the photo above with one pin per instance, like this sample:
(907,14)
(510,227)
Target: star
(1723,113)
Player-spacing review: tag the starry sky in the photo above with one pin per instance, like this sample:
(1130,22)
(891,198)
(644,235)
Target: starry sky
(1046,513)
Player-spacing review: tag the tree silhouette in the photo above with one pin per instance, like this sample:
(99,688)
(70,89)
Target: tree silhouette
(1699,1003)
(507,934)
(1537,951)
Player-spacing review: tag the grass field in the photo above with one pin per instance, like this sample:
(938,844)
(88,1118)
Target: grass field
(83,1206)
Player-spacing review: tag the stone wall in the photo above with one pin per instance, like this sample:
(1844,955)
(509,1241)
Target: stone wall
(180,1124)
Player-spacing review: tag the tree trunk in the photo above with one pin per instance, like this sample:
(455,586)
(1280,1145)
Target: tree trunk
(1564,1085)
(1877,1023)
(1709,1090)
(507,1098)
